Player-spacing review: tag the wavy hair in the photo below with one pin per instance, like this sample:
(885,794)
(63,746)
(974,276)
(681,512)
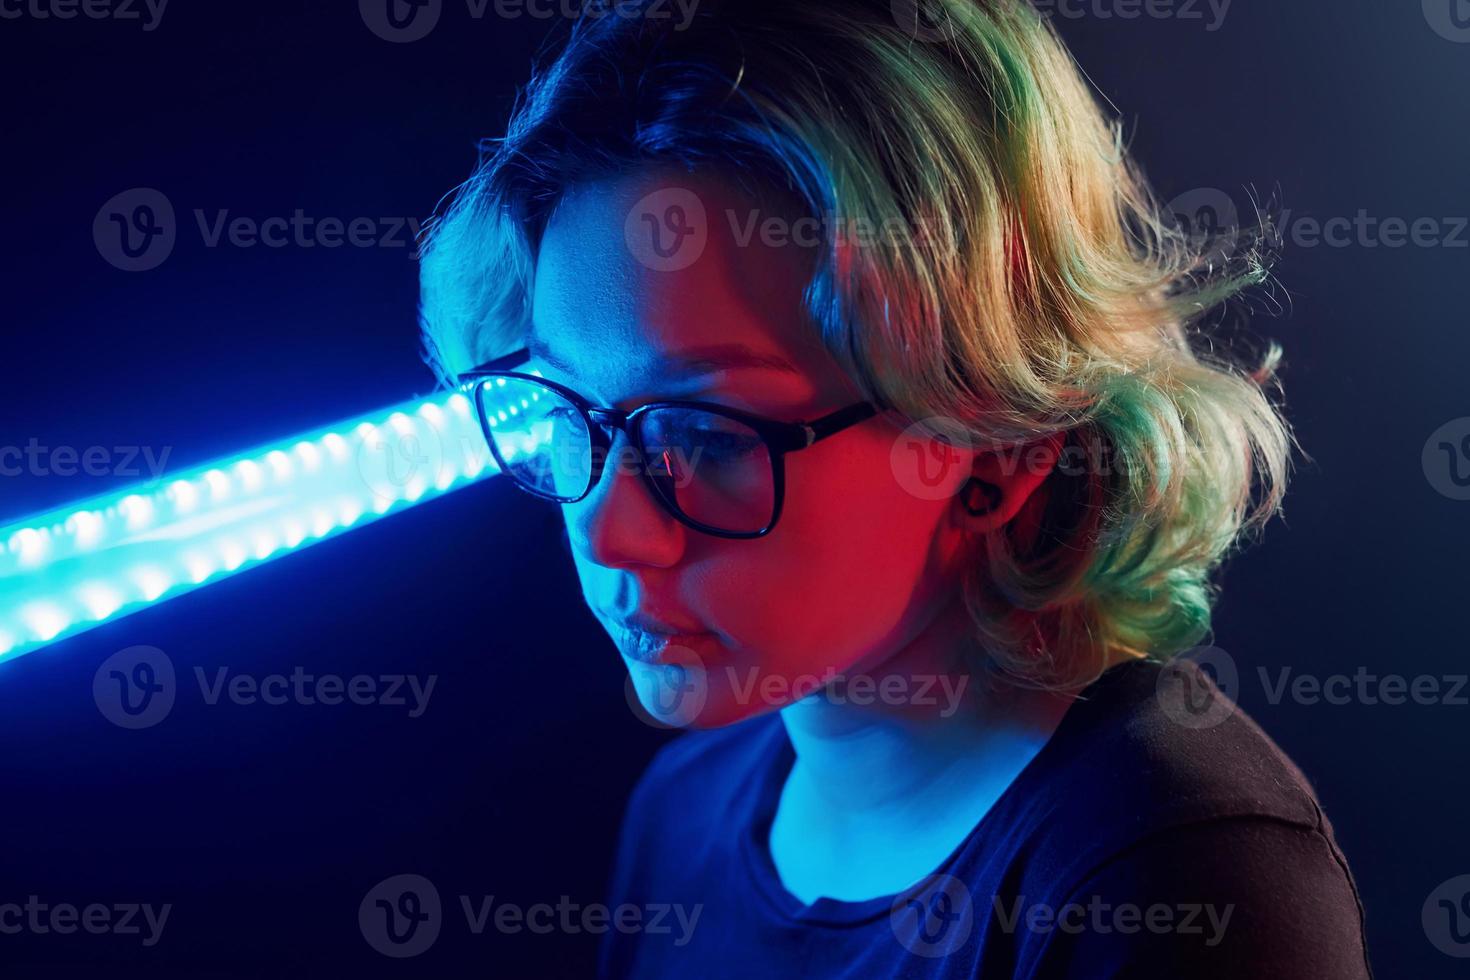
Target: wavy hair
(1041,288)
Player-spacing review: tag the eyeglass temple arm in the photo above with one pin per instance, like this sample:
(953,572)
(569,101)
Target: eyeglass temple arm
(504,363)
(843,418)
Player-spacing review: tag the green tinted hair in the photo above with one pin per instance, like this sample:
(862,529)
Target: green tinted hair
(1039,287)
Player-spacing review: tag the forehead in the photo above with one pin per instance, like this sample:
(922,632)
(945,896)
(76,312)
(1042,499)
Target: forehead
(638,272)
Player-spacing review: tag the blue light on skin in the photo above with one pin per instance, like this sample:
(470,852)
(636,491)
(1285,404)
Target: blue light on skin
(70,569)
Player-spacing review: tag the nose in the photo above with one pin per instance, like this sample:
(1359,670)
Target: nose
(620,523)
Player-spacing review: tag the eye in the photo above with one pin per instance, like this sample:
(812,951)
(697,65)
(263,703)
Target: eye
(727,442)
(719,438)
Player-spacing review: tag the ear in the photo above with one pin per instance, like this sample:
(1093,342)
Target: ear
(1015,472)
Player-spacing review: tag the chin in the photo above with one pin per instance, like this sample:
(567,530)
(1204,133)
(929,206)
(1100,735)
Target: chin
(683,695)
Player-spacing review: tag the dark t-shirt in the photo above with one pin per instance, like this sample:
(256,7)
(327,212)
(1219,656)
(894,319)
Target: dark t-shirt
(1158,833)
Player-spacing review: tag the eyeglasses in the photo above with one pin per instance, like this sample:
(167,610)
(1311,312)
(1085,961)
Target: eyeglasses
(716,469)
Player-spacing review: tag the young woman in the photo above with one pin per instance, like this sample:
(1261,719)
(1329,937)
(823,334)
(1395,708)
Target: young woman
(863,365)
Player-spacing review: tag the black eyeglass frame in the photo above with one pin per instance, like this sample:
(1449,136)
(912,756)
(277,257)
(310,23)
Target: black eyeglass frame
(780,438)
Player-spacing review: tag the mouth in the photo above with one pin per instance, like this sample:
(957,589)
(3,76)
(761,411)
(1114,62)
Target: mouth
(650,646)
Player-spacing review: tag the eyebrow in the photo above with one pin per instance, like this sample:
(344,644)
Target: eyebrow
(696,361)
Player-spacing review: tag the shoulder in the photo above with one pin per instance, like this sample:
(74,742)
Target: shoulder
(1180,833)
(1153,745)
(1245,896)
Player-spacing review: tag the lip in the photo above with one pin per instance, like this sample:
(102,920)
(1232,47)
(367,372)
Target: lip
(647,622)
(661,647)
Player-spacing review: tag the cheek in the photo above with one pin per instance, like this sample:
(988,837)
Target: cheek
(854,568)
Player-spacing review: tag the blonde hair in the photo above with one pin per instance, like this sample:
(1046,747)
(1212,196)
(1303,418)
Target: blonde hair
(1040,288)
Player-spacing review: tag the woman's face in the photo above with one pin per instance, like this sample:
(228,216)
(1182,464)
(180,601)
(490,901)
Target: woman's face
(857,566)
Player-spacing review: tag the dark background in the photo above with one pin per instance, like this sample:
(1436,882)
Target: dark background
(264,827)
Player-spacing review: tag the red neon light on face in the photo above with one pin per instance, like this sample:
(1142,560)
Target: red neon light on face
(857,568)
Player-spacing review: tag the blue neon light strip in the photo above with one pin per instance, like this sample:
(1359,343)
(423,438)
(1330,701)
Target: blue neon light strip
(76,567)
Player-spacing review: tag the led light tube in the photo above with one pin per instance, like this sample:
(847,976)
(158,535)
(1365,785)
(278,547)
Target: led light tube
(76,567)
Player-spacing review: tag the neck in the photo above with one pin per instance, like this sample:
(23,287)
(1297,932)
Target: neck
(917,736)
